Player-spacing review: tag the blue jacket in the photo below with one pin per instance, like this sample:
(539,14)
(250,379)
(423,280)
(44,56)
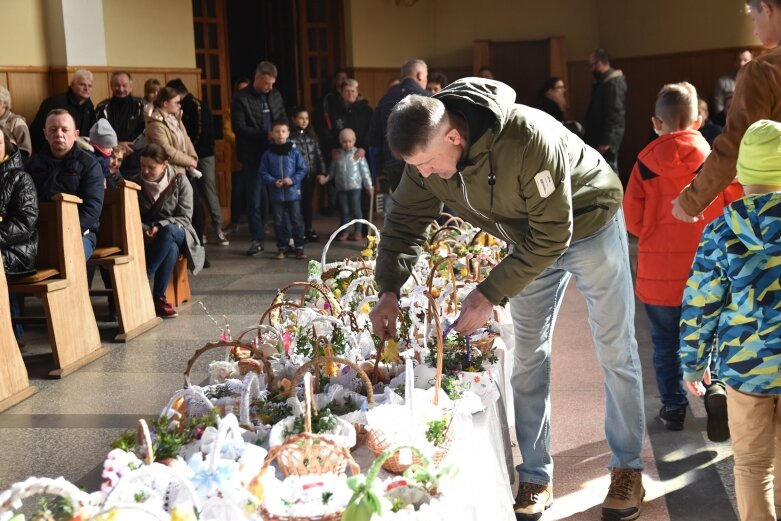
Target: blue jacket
(731,301)
(78,173)
(274,166)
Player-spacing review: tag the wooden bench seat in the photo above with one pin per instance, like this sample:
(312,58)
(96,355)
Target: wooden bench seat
(73,331)
(178,290)
(120,250)
(14,383)
(38,276)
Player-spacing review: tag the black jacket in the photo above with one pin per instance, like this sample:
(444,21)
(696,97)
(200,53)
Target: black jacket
(79,174)
(126,116)
(389,165)
(606,116)
(309,147)
(84,115)
(357,116)
(18,217)
(197,119)
(247,121)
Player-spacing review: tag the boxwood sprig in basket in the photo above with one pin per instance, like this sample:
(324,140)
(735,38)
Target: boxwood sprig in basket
(455,356)
(323,423)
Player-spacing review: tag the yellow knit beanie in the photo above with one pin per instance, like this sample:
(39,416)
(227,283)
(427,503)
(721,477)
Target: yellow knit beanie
(759,158)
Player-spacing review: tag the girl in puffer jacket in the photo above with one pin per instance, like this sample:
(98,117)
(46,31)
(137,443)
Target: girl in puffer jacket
(350,174)
(18,216)
(305,141)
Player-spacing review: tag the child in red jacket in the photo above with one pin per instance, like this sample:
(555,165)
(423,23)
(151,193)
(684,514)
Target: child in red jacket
(666,246)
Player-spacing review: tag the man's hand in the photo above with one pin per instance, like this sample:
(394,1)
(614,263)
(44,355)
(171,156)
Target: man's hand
(359,153)
(680,214)
(321,179)
(384,315)
(475,312)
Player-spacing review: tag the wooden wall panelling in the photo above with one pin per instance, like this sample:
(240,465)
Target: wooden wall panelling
(27,90)
(373,82)
(645,75)
(4,79)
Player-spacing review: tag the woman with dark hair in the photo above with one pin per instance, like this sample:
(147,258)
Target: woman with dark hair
(552,98)
(18,216)
(166,204)
(305,140)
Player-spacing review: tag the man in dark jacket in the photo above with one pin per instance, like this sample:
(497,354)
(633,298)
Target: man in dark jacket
(518,174)
(253,110)
(414,74)
(76,100)
(197,119)
(63,167)
(348,112)
(124,111)
(606,115)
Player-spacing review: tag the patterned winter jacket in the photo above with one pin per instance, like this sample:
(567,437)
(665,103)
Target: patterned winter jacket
(349,173)
(731,299)
(307,144)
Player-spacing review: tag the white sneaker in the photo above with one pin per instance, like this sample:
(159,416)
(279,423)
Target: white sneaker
(221,239)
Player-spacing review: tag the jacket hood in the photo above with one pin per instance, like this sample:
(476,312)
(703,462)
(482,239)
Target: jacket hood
(675,154)
(14,163)
(493,95)
(612,74)
(756,222)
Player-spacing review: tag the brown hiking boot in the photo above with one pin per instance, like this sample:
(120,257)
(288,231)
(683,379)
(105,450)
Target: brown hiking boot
(532,501)
(624,496)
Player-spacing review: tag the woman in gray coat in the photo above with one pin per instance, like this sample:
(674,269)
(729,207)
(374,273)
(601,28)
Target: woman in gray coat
(166,203)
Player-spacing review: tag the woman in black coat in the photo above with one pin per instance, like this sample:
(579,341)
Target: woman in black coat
(18,217)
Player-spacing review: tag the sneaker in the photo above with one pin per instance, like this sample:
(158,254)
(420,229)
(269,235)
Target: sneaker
(625,495)
(280,254)
(532,500)
(341,237)
(300,254)
(716,407)
(311,236)
(222,240)
(164,309)
(256,249)
(231,228)
(672,418)
(206,263)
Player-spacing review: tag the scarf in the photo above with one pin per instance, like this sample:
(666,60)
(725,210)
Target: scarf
(172,122)
(154,188)
(283,149)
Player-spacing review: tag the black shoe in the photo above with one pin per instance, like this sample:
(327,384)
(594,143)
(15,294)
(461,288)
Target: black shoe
(716,407)
(672,418)
(256,249)
(311,236)
(206,263)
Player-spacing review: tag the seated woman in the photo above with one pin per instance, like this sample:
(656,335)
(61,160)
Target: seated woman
(552,98)
(18,216)
(166,204)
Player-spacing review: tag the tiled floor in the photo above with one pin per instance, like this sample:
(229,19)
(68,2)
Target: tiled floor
(66,428)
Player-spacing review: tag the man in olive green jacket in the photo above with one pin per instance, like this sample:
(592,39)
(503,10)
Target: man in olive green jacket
(519,174)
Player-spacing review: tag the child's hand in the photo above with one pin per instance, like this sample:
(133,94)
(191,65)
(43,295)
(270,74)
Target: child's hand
(279,183)
(696,388)
(321,179)
(370,191)
(288,181)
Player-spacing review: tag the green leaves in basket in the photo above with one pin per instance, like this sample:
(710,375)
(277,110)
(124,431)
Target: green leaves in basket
(54,509)
(454,358)
(435,433)
(429,476)
(451,386)
(365,503)
(323,422)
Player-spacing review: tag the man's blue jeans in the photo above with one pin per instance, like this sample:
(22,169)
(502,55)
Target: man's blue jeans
(665,332)
(350,207)
(161,255)
(600,264)
(256,204)
(285,213)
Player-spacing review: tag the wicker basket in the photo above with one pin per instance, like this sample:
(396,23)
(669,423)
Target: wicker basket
(281,301)
(339,230)
(11,498)
(378,443)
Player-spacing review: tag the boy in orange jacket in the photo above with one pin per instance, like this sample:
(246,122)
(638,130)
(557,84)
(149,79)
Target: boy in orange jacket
(666,246)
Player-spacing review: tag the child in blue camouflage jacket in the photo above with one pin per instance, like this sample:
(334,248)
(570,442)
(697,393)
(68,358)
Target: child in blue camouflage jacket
(731,310)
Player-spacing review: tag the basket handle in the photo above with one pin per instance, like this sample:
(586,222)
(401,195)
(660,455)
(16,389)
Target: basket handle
(12,497)
(144,437)
(319,360)
(190,392)
(154,470)
(342,228)
(298,440)
(453,281)
(201,350)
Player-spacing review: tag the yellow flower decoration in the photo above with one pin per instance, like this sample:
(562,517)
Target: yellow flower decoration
(391,351)
(183,513)
(365,309)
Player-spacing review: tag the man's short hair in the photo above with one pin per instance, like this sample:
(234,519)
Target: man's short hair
(117,74)
(178,85)
(676,105)
(60,112)
(410,67)
(413,123)
(601,56)
(81,73)
(266,69)
(439,78)
(5,97)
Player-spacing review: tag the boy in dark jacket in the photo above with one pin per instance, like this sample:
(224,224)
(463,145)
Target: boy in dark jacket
(282,168)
